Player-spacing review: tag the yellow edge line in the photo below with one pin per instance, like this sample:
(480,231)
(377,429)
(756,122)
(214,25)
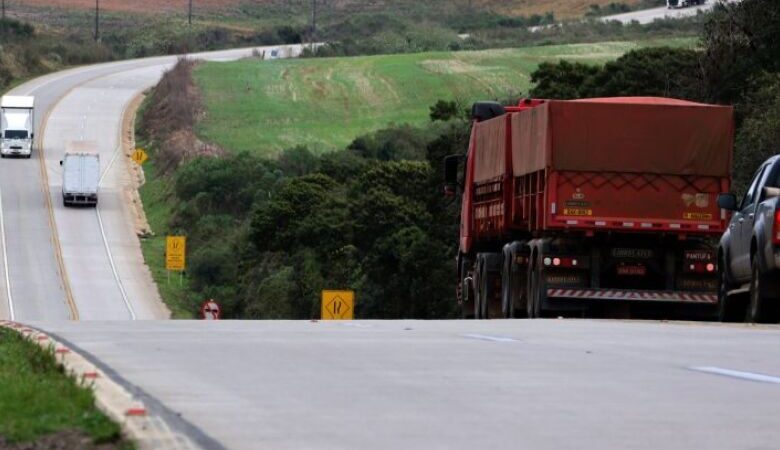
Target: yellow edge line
(74,312)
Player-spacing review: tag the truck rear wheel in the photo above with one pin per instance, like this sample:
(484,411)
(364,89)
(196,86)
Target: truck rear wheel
(488,268)
(538,292)
(466,288)
(762,308)
(513,280)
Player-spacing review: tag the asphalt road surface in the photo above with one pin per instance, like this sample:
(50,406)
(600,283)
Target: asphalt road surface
(646,16)
(62,263)
(542,384)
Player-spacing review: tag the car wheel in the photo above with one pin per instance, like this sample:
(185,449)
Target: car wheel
(761,309)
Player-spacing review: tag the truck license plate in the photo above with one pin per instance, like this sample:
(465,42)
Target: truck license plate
(632,270)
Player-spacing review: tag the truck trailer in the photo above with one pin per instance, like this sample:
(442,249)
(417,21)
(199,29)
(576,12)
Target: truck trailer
(80,174)
(674,4)
(17,119)
(572,205)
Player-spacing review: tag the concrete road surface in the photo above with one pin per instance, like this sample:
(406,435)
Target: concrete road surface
(544,384)
(646,16)
(61,263)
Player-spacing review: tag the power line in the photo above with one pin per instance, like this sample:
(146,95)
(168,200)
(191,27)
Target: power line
(97,20)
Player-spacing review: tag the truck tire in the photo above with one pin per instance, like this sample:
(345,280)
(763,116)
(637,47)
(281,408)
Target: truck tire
(488,267)
(482,111)
(466,288)
(762,308)
(513,289)
(729,309)
(538,292)
(479,288)
(534,307)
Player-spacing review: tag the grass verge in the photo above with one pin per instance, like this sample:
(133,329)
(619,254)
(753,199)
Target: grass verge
(38,399)
(173,287)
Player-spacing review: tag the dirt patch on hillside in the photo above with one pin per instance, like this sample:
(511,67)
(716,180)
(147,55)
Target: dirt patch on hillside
(561,8)
(62,440)
(175,106)
(140,6)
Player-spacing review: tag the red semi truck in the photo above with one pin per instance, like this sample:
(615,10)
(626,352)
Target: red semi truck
(573,205)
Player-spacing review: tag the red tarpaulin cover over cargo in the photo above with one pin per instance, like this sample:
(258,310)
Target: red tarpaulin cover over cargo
(628,135)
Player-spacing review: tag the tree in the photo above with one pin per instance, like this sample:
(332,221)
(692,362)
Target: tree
(445,110)
(562,80)
(740,41)
(655,71)
(659,71)
(759,134)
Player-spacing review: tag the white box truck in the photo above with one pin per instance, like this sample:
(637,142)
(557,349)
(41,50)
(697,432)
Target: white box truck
(80,174)
(17,119)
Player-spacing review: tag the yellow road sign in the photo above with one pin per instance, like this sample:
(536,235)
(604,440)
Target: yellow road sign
(176,253)
(338,305)
(139,156)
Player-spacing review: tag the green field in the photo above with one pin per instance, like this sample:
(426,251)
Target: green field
(37,399)
(265,107)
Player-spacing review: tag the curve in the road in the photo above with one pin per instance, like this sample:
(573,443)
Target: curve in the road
(59,263)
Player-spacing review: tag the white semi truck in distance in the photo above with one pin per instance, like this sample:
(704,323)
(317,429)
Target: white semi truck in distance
(672,4)
(80,174)
(17,119)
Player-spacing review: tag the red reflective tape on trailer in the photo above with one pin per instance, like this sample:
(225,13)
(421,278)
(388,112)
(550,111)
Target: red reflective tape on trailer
(91,375)
(61,350)
(614,294)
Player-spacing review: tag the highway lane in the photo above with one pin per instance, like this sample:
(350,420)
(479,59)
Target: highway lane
(646,16)
(58,266)
(543,384)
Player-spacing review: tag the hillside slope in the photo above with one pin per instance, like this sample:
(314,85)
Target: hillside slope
(265,107)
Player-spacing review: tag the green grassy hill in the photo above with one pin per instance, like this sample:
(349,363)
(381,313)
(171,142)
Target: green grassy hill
(264,107)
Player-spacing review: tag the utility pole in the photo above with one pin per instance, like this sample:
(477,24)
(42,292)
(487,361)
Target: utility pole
(189,16)
(97,20)
(313,18)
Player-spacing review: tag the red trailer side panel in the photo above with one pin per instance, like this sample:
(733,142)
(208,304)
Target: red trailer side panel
(657,136)
(490,148)
(531,140)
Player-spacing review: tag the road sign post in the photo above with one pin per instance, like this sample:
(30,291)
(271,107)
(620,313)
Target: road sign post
(338,305)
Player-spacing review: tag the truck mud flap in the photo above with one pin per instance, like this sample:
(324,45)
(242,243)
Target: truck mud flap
(633,295)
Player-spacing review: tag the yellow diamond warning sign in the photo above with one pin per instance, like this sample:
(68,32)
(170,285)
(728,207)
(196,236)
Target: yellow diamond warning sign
(139,156)
(338,305)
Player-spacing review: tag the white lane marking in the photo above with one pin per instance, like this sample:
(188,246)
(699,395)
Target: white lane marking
(484,337)
(5,261)
(738,374)
(356,325)
(113,266)
(117,152)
